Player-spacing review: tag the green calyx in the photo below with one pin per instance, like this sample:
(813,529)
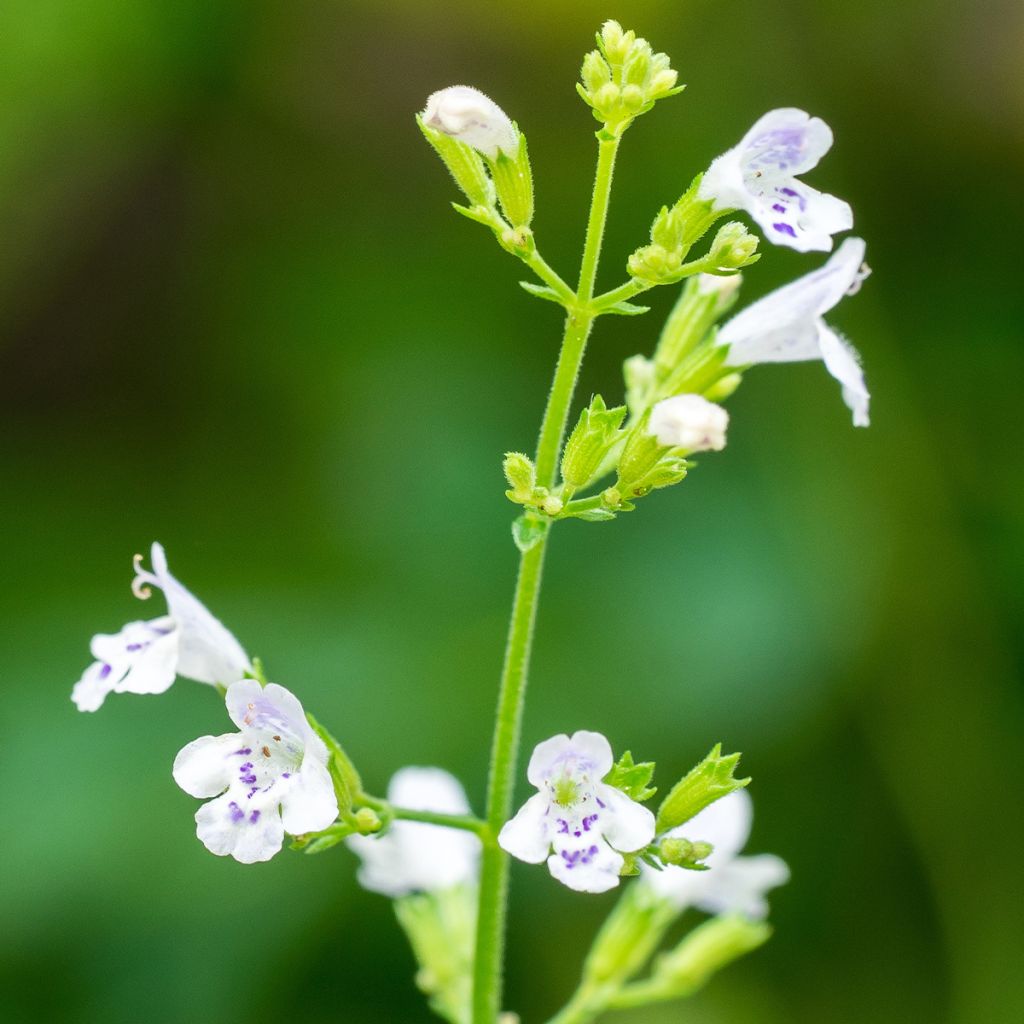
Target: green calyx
(706,782)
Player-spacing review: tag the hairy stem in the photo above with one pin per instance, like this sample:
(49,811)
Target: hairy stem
(490,936)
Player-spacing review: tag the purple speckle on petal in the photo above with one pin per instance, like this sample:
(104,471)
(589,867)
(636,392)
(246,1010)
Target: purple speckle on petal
(248,779)
(778,208)
(600,803)
(788,192)
(236,813)
(105,671)
(785,229)
(563,826)
(254,817)
(244,752)
(588,821)
(135,647)
(286,775)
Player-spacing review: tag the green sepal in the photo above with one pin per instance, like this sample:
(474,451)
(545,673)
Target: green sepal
(594,435)
(705,783)
(631,778)
(347,784)
(541,291)
(528,531)
(480,214)
(463,162)
(513,180)
(320,842)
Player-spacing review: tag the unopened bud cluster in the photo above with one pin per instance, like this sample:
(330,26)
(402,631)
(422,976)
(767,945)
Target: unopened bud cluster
(624,78)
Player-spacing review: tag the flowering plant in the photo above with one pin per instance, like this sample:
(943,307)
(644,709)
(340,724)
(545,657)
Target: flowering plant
(447,870)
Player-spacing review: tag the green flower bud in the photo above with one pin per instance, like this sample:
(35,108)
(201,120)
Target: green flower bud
(513,180)
(734,247)
(596,72)
(592,438)
(367,821)
(706,950)
(637,64)
(614,43)
(632,98)
(521,476)
(723,387)
(706,782)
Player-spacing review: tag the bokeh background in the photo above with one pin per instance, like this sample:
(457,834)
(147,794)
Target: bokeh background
(238,316)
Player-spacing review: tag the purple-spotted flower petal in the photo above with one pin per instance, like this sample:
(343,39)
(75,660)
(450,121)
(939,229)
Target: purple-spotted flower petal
(412,856)
(732,884)
(760,176)
(145,657)
(577,822)
(269,778)
(786,326)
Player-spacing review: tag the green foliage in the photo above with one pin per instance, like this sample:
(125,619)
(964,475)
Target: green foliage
(632,778)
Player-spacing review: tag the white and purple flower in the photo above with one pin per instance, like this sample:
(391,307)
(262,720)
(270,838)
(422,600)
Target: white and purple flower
(269,778)
(732,884)
(786,326)
(760,176)
(577,822)
(468,115)
(145,657)
(413,856)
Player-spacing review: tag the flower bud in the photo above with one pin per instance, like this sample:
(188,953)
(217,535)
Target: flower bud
(367,821)
(615,43)
(521,476)
(593,437)
(734,247)
(595,71)
(690,422)
(468,115)
(724,387)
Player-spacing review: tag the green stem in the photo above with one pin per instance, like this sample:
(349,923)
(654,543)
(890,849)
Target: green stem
(461,821)
(490,936)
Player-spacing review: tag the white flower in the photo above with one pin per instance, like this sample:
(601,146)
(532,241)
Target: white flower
(145,657)
(690,422)
(760,176)
(577,816)
(732,884)
(269,778)
(413,856)
(468,115)
(786,326)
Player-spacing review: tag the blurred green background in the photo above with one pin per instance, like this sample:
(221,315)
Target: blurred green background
(238,316)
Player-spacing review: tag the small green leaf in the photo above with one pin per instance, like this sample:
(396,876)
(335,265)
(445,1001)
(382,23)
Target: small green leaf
(592,515)
(633,779)
(626,309)
(541,291)
(477,213)
(528,531)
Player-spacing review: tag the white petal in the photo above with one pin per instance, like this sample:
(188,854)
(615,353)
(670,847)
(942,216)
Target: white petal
(544,757)
(782,327)
(269,708)
(142,656)
(725,824)
(427,789)
(206,767)
(209,653)
(249,831)
(592,868)
(786,141)
(842,361)
(800,217)
(626,824)
(595,749)
(91,690)
(309,803)
(740,886)
(681,887)
(526,835)
(723,182)
(471,117)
